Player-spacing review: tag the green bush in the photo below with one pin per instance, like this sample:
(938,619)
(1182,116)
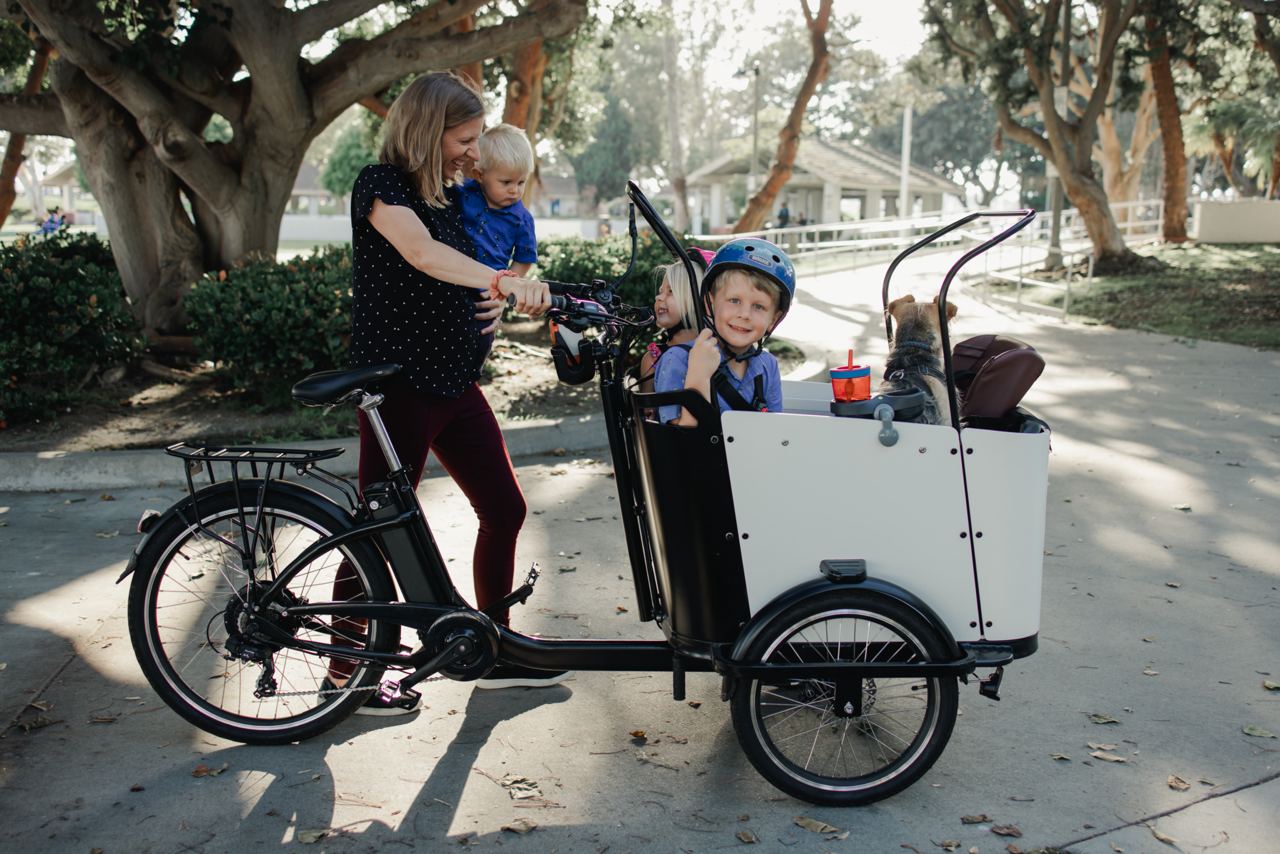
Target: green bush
(268,324)
(66,318)
(573,259)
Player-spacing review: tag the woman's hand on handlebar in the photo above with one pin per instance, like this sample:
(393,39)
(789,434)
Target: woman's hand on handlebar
(531,297)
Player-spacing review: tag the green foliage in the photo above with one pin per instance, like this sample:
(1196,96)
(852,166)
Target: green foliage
(15,48)
(620,145)
(269,324)
(65,318)
(352,152)
(573,259)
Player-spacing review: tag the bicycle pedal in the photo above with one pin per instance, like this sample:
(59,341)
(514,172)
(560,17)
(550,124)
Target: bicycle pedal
(534,574)
(390,691)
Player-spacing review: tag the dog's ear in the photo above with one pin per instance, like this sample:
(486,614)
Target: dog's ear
(896,307)
(951,308)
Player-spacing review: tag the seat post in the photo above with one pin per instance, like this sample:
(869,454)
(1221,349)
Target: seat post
(369,404)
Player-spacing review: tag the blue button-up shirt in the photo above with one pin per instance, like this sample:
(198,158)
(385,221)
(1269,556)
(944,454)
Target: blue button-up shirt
(501,235)
(674,366)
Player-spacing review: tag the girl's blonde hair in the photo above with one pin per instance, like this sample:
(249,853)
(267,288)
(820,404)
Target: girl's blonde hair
(685,294)
(413,133)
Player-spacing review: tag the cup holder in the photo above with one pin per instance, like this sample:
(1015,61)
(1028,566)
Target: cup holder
(907,404)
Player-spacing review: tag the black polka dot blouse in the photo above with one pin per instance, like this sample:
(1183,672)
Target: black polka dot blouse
(399,313)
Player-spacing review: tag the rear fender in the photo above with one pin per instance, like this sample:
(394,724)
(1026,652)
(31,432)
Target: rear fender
(184,510)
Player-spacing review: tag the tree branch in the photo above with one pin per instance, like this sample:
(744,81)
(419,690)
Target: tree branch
(1259,7)
(33,114)
(317,19)
(177,146)
(368,67)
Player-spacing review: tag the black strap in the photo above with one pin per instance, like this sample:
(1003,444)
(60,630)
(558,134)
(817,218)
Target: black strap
(722,385)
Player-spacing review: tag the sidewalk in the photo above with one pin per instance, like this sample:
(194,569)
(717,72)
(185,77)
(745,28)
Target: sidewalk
(1161,611)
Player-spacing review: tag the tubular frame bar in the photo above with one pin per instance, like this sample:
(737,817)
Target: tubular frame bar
(1025,215)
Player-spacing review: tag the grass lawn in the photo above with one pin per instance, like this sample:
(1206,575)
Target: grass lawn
(1216,292)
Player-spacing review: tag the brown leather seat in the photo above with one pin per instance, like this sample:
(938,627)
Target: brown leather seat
(993,373)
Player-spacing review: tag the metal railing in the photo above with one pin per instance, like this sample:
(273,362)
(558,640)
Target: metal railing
(831,247)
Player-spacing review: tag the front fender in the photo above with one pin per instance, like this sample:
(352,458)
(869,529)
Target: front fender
(820,587)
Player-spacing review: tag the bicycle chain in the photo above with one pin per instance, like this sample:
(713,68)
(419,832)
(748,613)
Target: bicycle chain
(328,691)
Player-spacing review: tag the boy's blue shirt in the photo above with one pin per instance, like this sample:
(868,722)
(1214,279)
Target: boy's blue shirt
(501,235)
(673,366)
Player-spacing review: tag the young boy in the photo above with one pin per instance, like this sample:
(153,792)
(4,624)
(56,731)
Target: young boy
(749,285)
(499,224)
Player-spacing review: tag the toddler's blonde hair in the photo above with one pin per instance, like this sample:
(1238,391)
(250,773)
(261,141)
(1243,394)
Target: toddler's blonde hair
(505,146)
(684,292)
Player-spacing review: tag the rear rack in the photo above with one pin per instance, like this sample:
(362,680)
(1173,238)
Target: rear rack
(264,465)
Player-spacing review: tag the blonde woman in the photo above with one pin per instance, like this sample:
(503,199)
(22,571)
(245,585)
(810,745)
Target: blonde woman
(415,283)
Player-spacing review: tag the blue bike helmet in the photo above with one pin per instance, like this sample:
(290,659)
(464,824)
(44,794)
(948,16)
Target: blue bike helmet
(753,253)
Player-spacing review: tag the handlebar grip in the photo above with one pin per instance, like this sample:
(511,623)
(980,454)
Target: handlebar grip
(557,302)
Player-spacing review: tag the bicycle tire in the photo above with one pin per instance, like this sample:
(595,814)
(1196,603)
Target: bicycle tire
(193,580)
(900,731)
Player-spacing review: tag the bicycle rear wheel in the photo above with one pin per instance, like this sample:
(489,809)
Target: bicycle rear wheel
(190,626)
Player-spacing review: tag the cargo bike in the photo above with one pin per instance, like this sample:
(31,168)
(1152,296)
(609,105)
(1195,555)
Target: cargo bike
(841,575)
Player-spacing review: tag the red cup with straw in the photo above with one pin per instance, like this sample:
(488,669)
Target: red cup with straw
(850,381)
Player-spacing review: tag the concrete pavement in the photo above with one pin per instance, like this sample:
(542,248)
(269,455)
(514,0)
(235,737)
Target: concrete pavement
(1161,611)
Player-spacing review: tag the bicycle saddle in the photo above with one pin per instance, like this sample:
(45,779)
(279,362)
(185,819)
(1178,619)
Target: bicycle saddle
(326,387)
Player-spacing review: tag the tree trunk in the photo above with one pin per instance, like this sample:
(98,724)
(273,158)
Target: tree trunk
(13,156)
(1170,116)
(761,203)
(1121,168)
(1109,250)
(671,66)
(524,78)
(1275,170)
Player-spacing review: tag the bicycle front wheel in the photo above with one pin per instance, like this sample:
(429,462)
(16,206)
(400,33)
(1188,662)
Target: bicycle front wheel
(877,743)
(195,640)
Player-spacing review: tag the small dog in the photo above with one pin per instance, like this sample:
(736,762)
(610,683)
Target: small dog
(915,356)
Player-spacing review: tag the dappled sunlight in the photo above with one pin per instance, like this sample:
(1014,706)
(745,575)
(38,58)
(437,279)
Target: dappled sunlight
(1131,545)
(1143,479)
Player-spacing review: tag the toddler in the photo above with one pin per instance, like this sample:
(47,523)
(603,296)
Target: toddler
(750,284)
(674,309)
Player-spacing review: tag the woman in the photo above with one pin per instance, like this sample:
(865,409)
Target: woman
(422,300)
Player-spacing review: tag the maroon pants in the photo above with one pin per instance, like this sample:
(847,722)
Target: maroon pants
(464,434)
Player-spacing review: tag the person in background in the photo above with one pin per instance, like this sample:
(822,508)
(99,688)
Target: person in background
(784,215)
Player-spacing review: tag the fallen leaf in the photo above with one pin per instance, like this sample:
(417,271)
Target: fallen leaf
(1116,848)
(973,849)
(693,704)
(638,733)
(1061,757)
(201,770)
(838,837)
(980,818)
(1257,731)
(42,705)
(1107,757)
(1006,830)
(1098,718)
(520,825)
(106,496)
(1013,849)
(308,837)
(106,535)
(38,722)
(621,609)
(559,452)
(1177,783)
(103,719)
(1160,837)
(1098,745)
(814,825)
(3,665)
(1174,584)
(746,837)
(1266,683)
(520,788)
(948,844)
(1147,671)
(137,787)
(1185,508)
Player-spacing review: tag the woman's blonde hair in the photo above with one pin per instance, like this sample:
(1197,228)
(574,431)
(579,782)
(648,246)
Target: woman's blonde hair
(684,293)
(413,133)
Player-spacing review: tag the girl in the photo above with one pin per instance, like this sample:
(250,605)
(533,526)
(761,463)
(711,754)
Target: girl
(674,309)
